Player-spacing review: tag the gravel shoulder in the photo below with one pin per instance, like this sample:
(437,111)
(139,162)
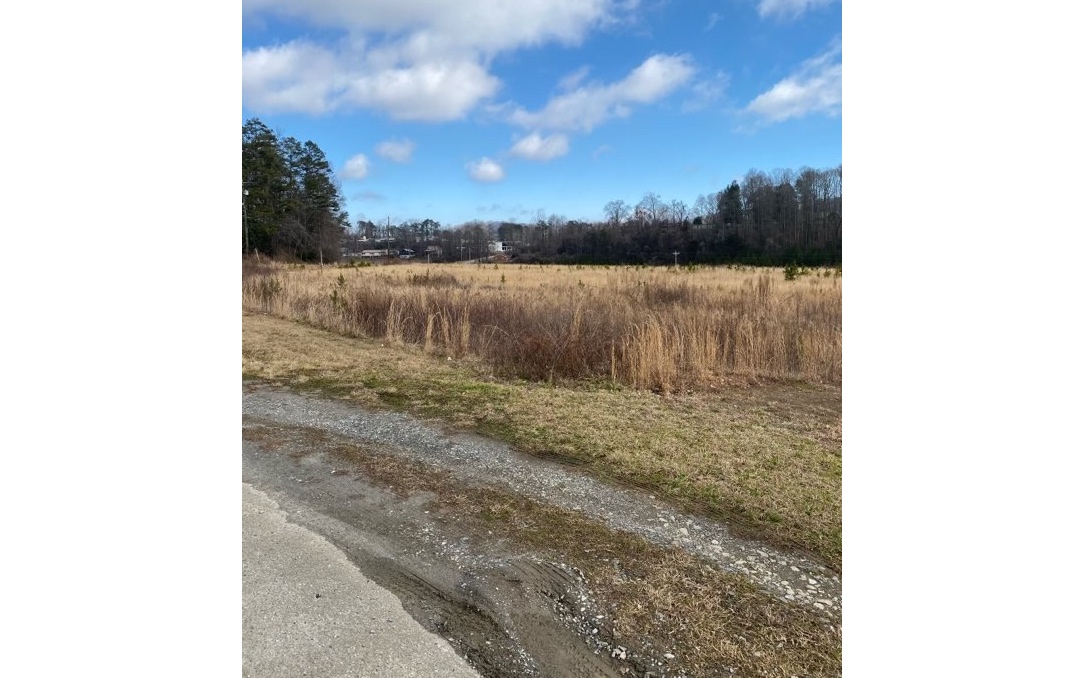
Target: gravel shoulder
(502,607)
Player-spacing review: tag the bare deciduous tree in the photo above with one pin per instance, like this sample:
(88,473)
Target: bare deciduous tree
(679,211)
(651,207)
(616,211)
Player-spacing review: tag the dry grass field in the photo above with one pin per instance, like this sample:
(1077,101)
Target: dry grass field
(666,330)
(717,388)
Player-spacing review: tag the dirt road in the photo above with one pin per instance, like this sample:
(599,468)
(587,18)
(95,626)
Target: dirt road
(460,529)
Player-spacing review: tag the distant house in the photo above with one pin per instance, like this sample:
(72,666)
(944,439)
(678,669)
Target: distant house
(375,254)
(500,246)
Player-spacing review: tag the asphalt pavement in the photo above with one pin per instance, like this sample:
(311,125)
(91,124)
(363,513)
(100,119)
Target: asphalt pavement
(308,611)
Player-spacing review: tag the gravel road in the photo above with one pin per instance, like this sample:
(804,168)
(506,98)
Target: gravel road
(464,591)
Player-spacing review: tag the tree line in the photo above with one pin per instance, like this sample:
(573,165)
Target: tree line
(294,207)
(788,217)
(291,203)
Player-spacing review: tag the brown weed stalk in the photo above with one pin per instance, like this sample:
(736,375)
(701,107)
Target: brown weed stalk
(647,328)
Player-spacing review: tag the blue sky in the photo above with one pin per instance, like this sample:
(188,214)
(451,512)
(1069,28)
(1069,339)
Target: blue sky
(510,110)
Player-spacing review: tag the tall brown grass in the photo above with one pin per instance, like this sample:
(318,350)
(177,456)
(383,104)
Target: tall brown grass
(659,329)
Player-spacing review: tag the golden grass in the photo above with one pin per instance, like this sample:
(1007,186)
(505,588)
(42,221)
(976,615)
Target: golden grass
(666,330)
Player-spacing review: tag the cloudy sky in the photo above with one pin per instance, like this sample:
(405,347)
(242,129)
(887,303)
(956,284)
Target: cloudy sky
(508,110)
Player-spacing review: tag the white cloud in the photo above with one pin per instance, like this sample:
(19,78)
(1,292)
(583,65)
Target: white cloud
(356,168)
(428,92)
(486,25)
(292,77)
(412,59)
(788,9)
(815,88)
(537,147)
(657,77)
(588,106)
(396,151)
(485,170)
(307,78)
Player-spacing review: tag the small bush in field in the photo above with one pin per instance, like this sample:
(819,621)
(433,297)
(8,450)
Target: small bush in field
(429,279)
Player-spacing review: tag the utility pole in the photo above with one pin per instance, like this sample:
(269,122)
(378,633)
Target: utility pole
(245,217)
(675,253)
